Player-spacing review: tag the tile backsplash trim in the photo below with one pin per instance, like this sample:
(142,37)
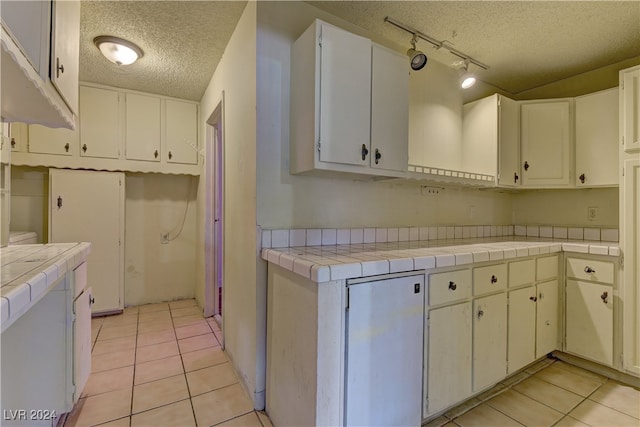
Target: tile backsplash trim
(283,238)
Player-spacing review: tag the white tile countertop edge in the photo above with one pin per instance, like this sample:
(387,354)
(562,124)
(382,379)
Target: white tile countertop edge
(340,262)
(45,264)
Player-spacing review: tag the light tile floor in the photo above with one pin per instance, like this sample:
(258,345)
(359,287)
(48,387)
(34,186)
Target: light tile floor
(161,365)
(550,393)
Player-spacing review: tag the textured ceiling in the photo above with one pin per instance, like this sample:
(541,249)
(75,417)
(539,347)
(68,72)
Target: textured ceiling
(527,44)
(182,41)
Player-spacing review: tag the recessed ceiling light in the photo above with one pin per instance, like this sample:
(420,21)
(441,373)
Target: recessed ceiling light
(117,50)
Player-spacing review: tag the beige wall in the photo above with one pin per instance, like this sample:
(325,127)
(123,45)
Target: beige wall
(286,201)
(566,207)
(30,200)
(157,204)
(236,77)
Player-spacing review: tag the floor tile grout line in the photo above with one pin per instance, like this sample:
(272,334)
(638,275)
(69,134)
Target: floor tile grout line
(236,417)
(542,403)
(135,358)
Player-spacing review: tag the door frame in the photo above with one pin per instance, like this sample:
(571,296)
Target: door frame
(214,210)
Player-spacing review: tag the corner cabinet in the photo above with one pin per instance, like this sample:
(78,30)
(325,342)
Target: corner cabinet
(547,143)
(490,139)
(40,62)
(349,104)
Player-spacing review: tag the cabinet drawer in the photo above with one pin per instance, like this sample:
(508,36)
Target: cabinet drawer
(522,272)
(490,278)
(449,286)
(547,268)
(589,269)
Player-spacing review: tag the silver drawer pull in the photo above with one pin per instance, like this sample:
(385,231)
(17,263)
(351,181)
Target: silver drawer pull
(589,270)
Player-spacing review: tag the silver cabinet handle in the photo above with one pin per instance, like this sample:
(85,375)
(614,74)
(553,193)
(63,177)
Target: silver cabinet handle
(589,270)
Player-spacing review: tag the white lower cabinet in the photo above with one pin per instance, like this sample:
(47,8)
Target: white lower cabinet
(589,309)
(547,321)
(522,328)
(81,330)
(448,350)
(384,352)
(489,340)
(78,200)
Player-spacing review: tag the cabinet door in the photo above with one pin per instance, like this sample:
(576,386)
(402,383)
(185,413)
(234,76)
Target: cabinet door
(345,97)
(44,140)
(65,50)
(522,328)
(547,323)
(597,139)
(630,245)
(480,136)
(589,318)
(508,142)
(448,354)
(384,352)
(87,206)
(546,143)
(29,23)
(630,109)
(389,110)
(99,123)
(489,340)
(19,133)
(142,134)
(181,130)
(81,342)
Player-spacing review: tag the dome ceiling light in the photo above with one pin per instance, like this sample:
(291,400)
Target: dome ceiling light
(437,44)
(117,50)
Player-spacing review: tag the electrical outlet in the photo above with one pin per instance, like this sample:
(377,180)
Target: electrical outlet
(164,238)
(592,214)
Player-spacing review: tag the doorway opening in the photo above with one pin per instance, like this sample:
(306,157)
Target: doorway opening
(214,218)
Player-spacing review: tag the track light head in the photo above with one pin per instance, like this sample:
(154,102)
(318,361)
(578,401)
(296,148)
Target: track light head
(466,78)
(417,58)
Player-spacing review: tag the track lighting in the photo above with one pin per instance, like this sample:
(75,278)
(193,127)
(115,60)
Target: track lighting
(466,78)
(417,58)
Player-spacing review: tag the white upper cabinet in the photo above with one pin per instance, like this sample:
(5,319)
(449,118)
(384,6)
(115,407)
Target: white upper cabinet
(118,130)
(345,96)
(331,104)
(44,140)
(546,143)
(490,140)
(142,127)
(630,109)
(389,109)
(597,139)
(181,132)
(99,123)
(40,54)
(65,50)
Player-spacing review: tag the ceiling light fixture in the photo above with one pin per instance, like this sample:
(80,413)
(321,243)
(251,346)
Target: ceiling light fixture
(117,50)
(436,43)
(466,78)
(417,58)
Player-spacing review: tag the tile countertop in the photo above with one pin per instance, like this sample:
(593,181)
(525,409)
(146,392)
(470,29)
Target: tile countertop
(29,271)
(339,262)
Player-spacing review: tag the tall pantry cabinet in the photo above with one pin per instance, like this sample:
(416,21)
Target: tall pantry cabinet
(88,206)
(629,215)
